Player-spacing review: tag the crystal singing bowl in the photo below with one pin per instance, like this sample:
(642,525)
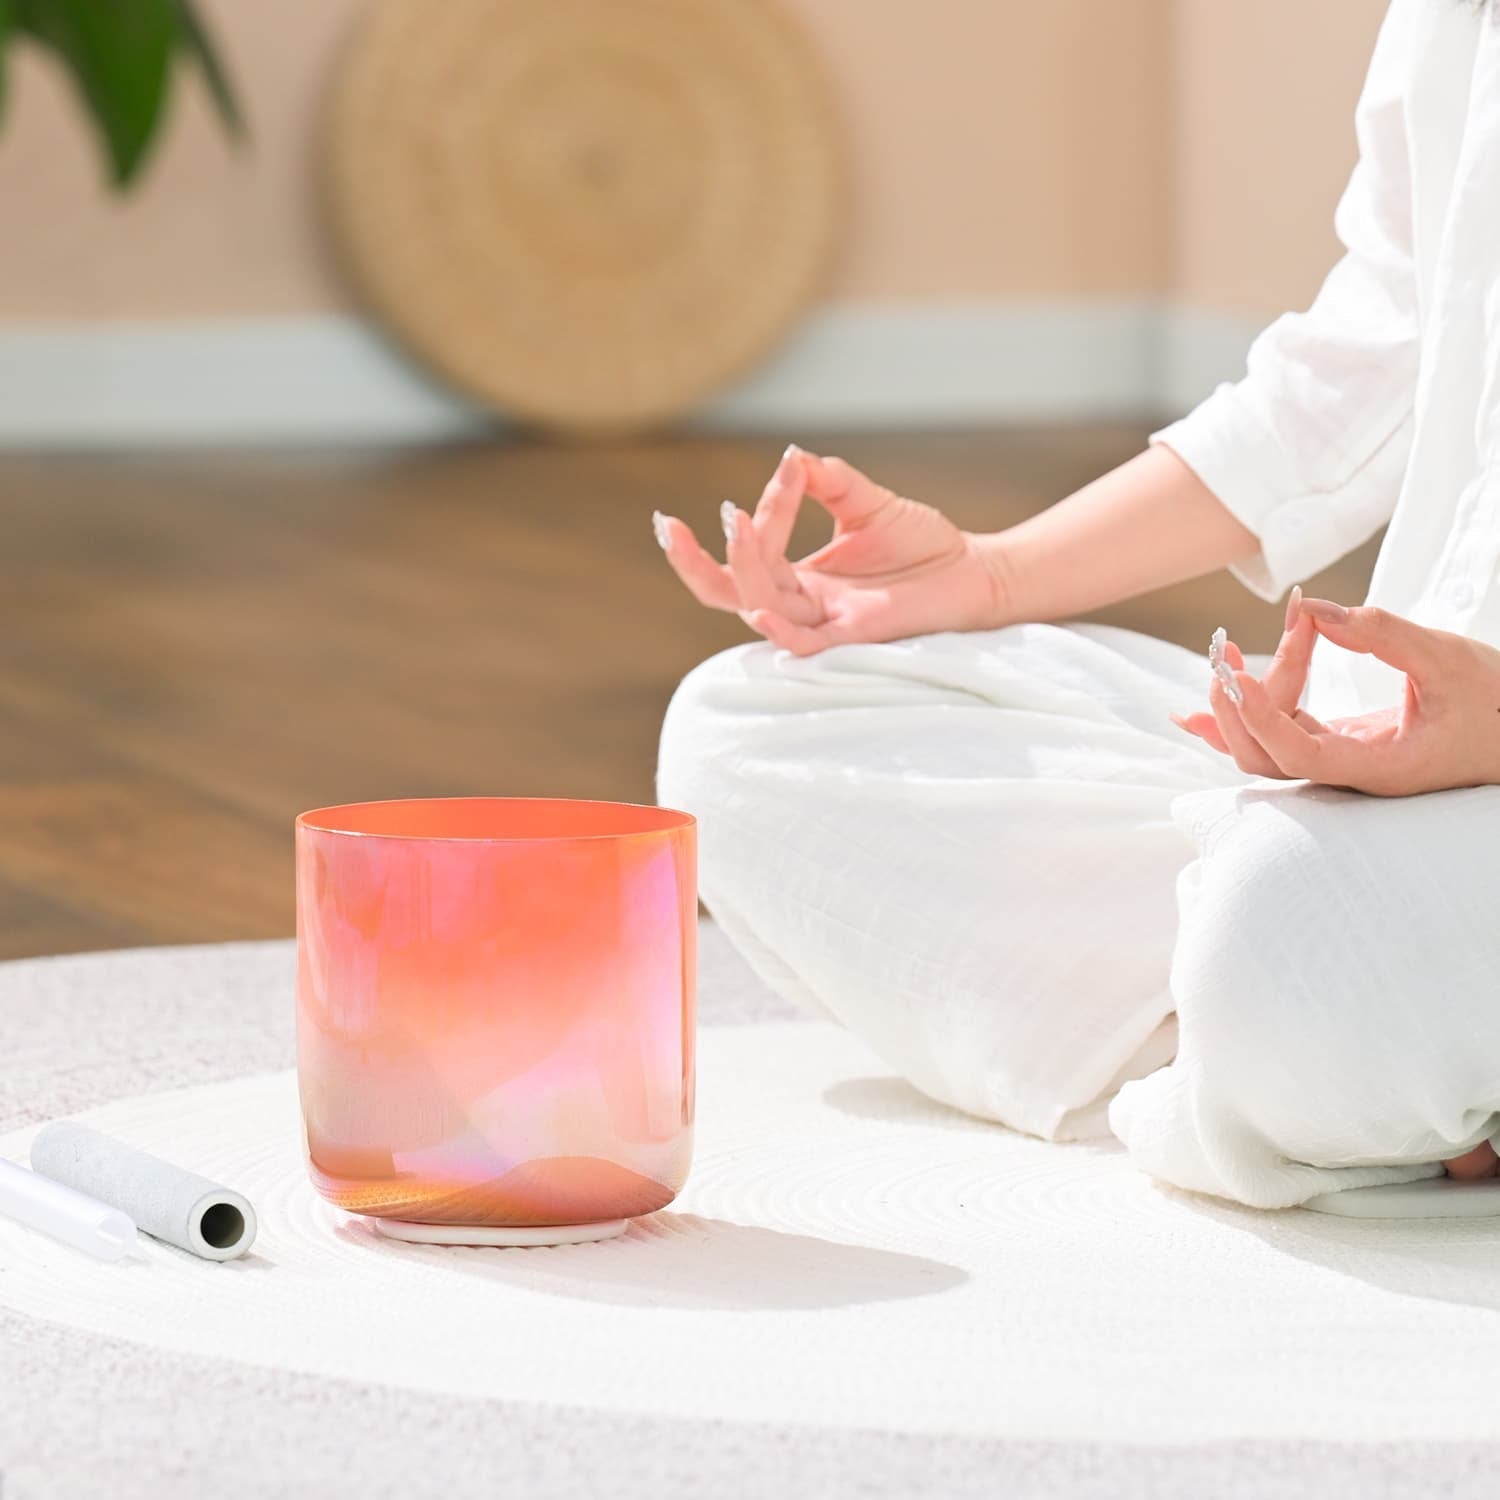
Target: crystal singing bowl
(495,1012)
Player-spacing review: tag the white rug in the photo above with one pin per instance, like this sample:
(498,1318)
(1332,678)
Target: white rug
(859,1292)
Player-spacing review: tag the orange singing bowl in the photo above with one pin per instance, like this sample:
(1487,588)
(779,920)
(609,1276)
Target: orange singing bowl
(495,1013)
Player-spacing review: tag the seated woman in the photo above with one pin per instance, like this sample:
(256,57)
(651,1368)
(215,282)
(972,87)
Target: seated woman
(1255,939)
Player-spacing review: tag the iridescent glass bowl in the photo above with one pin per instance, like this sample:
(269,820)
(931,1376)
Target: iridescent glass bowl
(495,1013)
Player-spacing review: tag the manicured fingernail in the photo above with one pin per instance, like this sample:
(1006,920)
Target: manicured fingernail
(1326,609)
(1181,722)
(792,455)
(1216,647)
(1293,606)
(1222,672)
(662,529)
(727,516)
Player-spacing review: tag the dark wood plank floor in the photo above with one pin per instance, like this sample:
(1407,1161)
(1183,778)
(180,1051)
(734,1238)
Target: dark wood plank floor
(197,647)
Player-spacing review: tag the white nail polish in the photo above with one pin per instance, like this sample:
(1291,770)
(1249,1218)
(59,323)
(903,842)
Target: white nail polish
(1222,672)
(726,515)
(1216,648)
(662,530)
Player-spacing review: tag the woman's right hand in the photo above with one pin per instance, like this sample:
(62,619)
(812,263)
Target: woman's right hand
(894,567)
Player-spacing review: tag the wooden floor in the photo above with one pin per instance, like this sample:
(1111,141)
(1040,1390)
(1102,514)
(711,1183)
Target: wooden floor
(196,648)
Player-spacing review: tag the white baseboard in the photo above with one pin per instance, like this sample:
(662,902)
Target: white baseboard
(266,380)
(877,366)
(1198,348)
(332,380)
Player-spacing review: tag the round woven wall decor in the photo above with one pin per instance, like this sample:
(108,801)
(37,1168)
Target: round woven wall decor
(586,213)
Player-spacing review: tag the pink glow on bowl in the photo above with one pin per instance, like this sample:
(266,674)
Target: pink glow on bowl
(496,1007)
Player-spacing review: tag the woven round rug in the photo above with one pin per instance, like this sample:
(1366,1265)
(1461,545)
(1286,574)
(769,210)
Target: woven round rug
(588,214)
(859,1293)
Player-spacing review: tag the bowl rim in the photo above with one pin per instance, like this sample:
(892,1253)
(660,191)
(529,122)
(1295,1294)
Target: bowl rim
(321,820)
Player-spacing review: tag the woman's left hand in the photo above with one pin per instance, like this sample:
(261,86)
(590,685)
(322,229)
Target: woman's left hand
(1446,732)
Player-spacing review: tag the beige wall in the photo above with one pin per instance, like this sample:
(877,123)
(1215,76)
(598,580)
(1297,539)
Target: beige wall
(1262,141)
(1004,149)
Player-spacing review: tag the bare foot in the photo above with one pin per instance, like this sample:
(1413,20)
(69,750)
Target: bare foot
(1472,1165)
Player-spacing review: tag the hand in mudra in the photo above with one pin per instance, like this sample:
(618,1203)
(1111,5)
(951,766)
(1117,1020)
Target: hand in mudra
(1445,732)
(893,568)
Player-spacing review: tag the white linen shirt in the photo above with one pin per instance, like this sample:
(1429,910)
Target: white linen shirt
(1382,400)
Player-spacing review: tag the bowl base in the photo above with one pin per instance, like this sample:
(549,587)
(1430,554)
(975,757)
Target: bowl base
(499,1234)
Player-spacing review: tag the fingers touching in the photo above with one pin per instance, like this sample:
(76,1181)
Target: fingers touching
(846,494)
(1260,725)
(756,577)
(1265,739)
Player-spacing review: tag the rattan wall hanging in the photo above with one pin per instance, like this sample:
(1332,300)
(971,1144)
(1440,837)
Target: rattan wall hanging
(587,213)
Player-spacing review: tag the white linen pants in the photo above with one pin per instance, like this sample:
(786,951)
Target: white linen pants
(992,857)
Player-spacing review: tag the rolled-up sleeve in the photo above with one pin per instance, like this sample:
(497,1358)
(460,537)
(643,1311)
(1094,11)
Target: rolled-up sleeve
(1309,449)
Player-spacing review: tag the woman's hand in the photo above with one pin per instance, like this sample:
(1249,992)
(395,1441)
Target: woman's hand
(894,567)
(1445,733)
(1285,679)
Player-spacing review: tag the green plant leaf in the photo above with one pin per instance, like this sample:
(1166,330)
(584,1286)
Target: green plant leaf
(118,52)
(5,25)
(195,41)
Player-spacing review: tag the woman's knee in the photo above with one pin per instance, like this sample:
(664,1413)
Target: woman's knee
(1311,917)
(692,731)
(1273,914)
(1333,975)
(740,715)
(729,744)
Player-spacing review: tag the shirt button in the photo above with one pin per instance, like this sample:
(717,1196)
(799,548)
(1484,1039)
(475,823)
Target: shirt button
(1460,593)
